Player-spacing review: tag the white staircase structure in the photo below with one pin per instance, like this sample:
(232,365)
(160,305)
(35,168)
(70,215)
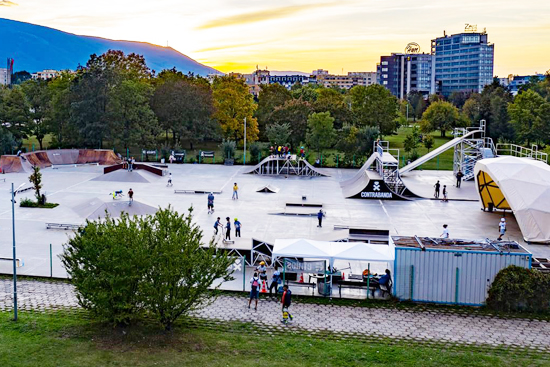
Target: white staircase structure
(289,165)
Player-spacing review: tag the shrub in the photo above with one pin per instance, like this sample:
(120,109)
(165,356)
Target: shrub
(228,148)
(519,289)
(256,150)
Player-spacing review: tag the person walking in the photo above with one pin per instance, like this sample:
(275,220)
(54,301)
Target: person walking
(217,225)
(501,228)
(237,228)
(211,203)
(275,280)
(130,196)
(169,179)
(286,300)
(445,233)
(228,229)
(320,216)
(437,187)
(459,176)
(235,192)
(254,291)
(131,164)
(445,198)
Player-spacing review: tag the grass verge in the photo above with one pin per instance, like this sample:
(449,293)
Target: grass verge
(66,338)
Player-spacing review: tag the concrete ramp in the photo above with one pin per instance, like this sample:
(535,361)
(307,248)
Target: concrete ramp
(11,164)
(63,156)
(268,188)
(125,176)
(370,185)
(359,175)
(116,208)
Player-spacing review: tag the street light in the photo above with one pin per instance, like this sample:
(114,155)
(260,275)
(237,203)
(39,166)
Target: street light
(244,153)
(13,193)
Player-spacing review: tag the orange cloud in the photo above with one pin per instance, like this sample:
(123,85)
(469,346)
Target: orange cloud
(7,3)
(261,15)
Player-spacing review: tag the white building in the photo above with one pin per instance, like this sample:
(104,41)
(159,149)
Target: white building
(5,77)
(45,74)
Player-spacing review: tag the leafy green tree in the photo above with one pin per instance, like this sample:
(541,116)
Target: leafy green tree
(458,98)
(36,179)
(16,113)
(270,97)
(428,142)
(375,106)
(530,117)
(59,111)
(20,76)
(278,133)
(107,261)
(184,107)
(320,132)
(418,104)
(7,142)
(307,93)
(332,101)
(295,112)
(441,116)
(182,269)
(233,103)
(228,148)
(38,98)
(411,143)
(356,143)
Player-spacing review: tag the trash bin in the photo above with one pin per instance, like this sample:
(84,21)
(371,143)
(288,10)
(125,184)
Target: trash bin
(324,288)
(162,160)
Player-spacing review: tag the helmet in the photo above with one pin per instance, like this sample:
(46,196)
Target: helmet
(262,263)
(502,220)
(235,219)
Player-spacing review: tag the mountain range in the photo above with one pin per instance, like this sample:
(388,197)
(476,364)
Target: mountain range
(35,48)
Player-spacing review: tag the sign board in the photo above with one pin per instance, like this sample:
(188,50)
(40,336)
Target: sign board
(377,189)
(412,48)
(470,28)
(148,152)
(294,266)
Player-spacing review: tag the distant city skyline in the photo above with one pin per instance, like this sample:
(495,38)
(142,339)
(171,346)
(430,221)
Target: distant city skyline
(301,35)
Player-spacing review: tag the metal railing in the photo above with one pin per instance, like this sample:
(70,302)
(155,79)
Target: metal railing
(519,151)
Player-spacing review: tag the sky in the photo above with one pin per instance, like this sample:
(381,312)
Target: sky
(301,35)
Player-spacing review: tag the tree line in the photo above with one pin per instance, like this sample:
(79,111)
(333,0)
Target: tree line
(115,100)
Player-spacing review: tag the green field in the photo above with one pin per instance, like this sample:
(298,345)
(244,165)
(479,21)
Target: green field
(66,338)
(442,162)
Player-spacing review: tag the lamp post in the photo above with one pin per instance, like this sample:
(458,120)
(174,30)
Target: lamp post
(244,153)
(13,193)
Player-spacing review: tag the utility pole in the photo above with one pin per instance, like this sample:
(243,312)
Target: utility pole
(244,153)
(14,254)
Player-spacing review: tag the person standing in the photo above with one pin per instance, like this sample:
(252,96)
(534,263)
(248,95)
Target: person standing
(286,300)
(228,229)
(437,187)
(445,233)
(217,225)
(131,196)
(320,216)
(445,198)
(501,228)
(302,152)
(169,179)
(237,228)
(262,271)
(275,280)
(254,291)
(235,192)
(459,176)
(171,158)
(211,203)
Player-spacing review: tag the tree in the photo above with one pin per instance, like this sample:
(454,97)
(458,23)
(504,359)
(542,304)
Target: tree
(184,106)
(36,179)
(186,268)
(233,103)
(375,106)
(16,114)
(331,100)
(294,112)
(270,97)
(458,98)
(20,76)
(441,116)
(38,98)
(320,132)
(428,142)
(530,117)
(418,104)
(59,111)
(278,133)
(411,143)
(7,142)
(307,93)
(356,143)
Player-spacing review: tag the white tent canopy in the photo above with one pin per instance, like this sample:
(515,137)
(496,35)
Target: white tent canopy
(524,183)
(358,251)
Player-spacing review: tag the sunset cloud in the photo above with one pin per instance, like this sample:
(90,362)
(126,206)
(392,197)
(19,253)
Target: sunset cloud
(7,3)
(261,15)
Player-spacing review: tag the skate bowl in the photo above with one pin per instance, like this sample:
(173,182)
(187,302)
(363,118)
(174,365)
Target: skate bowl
(58,157)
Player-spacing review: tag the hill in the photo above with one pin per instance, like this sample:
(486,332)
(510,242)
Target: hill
(35,48)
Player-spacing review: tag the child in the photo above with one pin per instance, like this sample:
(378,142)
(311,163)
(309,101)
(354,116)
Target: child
(286,300)
(286,315)
(254,290)
(169,179)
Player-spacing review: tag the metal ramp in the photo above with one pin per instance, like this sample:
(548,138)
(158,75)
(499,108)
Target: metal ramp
(274,165)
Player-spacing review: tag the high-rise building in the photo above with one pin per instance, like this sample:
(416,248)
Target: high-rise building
(463,62)
(403,73)
(5,74)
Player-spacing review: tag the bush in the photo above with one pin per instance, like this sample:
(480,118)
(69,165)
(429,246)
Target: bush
(256,150)
(519,289)
(228,148)
(123,268)
(28,203)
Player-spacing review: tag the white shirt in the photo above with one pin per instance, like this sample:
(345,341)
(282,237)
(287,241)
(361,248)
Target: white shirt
(502,225)
(445,233)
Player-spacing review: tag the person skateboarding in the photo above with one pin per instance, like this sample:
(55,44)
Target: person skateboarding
(211,203)
(217,225)
(130,196)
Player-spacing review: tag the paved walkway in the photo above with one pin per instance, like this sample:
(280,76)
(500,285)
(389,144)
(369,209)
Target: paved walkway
(428,325)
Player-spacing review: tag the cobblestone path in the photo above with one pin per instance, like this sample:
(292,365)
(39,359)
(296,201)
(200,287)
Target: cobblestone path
(428,325)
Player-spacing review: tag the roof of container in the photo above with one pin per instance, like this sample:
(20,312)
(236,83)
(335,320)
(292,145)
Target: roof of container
(485,245)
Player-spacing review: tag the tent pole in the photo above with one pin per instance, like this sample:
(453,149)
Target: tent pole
(368,280)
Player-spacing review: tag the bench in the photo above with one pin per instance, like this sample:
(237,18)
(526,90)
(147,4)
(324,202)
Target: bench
(64,226)
(197,191)
(298,284)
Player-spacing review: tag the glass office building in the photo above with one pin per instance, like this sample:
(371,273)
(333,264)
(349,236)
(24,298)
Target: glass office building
(463,62)
(405,73)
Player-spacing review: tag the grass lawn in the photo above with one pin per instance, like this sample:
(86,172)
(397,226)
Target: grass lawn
(66,338)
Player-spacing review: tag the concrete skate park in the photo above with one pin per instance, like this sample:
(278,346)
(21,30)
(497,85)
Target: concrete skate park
(285,210)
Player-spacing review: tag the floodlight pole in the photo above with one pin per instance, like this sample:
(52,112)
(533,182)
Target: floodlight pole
(244,153)
(14,254)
